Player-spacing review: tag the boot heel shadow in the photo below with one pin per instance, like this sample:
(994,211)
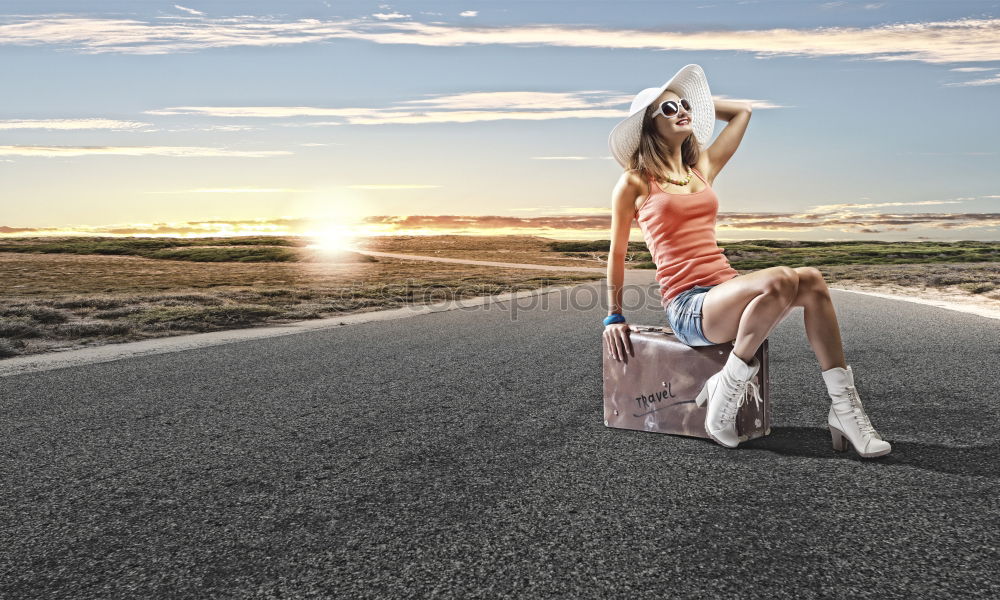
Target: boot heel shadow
(839,439)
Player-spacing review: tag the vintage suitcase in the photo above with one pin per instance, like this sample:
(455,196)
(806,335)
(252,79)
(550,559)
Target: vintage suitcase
(655,389)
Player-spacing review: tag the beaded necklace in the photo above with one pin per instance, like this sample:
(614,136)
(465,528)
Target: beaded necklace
(675,182)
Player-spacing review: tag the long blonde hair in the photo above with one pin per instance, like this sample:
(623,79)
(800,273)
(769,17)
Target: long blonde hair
(648,156)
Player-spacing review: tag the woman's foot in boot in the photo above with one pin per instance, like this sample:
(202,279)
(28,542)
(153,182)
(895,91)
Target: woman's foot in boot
(847,419)
(726,392)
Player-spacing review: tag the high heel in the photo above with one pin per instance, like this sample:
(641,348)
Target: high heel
(848,420)
(839,439)
(702,396)
(724,393)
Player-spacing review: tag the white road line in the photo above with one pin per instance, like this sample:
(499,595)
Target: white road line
(982,311)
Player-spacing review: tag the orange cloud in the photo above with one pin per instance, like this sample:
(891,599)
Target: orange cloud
(569,226)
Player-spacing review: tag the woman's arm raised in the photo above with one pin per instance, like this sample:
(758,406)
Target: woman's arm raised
(725,145)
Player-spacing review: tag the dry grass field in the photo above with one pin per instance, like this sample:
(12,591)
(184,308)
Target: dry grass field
(54,302)
(64,293)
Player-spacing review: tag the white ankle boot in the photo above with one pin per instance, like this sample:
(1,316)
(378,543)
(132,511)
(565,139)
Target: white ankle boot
(847,419)
(726,392)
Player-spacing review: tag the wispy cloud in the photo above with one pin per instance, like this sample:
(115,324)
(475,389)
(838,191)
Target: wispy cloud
(858,223)
(91,123)
(829,209)
(562,157)
(566,209)
(391,186)
(854,217)
(181,151)
(395,115)
(994,80)
(453,108)
(232,191)
(847,222)
(571,225)
(216,128)
(961,40)
(847,6)
(188,10)
(390,16)
(963,153)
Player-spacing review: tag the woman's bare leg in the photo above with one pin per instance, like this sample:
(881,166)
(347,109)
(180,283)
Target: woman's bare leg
(822,327)
(748,307)
(751,305)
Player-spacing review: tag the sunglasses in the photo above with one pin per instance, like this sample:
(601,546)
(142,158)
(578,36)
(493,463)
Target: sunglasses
(670,109)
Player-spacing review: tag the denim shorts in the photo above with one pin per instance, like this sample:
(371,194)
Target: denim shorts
(684,315)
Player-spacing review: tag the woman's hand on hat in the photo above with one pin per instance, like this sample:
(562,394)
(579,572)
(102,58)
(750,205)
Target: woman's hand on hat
(617,341)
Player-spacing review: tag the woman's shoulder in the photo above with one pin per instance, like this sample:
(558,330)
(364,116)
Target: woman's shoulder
(635,178)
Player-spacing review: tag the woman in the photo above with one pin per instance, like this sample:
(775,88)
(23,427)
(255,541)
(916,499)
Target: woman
(667,188)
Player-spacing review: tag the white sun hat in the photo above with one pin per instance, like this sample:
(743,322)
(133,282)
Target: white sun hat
(690,83)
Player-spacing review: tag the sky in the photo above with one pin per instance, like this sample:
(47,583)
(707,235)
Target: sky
(871,120)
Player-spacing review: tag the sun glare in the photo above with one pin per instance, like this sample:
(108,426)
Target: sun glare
(334,238)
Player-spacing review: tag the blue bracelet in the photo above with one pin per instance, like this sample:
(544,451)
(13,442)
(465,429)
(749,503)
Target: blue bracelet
(613,318)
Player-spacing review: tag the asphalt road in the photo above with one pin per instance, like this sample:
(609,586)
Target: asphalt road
(463,454)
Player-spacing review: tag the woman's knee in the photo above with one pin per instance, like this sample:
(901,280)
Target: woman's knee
(811,283)
(782,283)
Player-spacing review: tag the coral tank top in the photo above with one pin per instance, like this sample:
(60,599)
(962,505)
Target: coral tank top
(680,233)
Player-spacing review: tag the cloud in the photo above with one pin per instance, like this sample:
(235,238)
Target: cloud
(92,123)
(961,40)
(588,222)
(169,34)
(561,157)
(179,151)
(952,153)
(757,104)
(188,10)
(994,80)
(829,209)
(390,16)
(468,13)
(216,128)
(233,191)
(573,210)
(391,186)
(727,221)
(452,108)
(398,115)
(180,228)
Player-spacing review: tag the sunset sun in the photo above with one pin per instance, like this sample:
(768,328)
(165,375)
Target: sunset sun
(333,238)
